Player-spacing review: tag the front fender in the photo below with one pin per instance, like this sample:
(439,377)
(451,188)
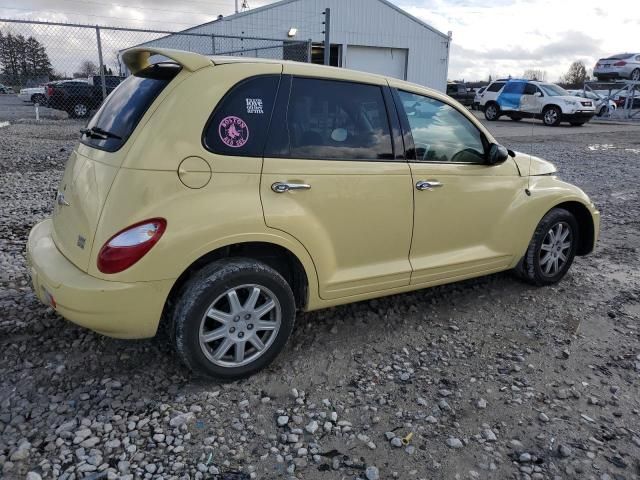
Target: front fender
(546,193)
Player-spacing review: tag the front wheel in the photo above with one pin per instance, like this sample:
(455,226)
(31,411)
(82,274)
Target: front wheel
(551,116)
(551,250)
(492,112)
(233,318)
(635,75)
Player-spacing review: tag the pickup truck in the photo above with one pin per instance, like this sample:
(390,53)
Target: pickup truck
(79,97)
(461,93)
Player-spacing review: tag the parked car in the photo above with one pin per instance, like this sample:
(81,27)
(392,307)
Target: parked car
(477,97)
(621,100)
(226,194)
(33,95)
(623,66)
(602,105)
(518,99)
(4,89)
(461,93)
(79,97)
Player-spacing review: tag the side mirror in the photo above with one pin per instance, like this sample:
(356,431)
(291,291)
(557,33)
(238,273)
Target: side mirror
(497,154)
(537,94)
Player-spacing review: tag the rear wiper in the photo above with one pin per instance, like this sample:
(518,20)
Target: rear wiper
(97,132)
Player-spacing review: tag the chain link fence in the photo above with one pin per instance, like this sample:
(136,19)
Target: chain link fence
(72,68)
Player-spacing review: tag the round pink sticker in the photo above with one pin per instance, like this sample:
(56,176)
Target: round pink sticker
(233,131)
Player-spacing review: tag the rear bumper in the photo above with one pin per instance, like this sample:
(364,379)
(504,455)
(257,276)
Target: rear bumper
(610,75)
(115,309)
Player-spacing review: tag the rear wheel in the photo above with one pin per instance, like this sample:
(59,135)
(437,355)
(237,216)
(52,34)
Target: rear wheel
(492,111)
(551,250)
(635,75)
(551,116)
(233,318)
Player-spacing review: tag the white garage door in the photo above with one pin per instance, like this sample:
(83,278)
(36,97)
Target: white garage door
(385,61)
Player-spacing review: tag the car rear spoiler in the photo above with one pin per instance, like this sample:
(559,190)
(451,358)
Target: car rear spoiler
(137,58)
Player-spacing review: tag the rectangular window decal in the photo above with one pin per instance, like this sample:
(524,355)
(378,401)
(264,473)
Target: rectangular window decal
(254,106)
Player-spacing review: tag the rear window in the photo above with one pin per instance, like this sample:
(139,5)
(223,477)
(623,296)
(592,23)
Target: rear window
(622,56)
(119,115)
(240,123)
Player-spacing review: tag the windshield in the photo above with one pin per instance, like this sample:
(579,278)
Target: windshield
(553,90)
(123,109)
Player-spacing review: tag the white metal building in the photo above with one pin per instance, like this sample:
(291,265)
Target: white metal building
(370,35)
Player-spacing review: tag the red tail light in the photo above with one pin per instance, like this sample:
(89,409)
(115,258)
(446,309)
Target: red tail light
(49,91)
(621,63)
(129,245)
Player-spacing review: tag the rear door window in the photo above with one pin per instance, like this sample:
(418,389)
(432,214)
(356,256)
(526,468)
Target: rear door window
(240,123)
(495,87)
(333,120)
(118,117)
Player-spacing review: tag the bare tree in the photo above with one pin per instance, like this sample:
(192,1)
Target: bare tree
(535,74)
(576,75)
(87,69)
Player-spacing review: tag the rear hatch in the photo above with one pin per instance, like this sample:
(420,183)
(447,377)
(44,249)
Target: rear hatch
(94,163)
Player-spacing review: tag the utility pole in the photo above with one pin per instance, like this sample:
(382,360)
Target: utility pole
(327,36)
(237,6)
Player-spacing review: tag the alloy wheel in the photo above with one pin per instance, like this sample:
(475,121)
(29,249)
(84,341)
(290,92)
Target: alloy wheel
(635,75)
(555,249)
(551,116)
(240,325)
(80,110)
(491,112)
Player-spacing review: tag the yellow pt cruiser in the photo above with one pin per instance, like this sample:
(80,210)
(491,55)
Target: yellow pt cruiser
(222,195)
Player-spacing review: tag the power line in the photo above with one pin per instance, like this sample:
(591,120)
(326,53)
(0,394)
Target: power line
(136,8)
(64,12)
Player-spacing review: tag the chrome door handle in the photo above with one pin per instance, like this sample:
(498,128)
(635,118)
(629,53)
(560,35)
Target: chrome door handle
(282,187)
(428,185)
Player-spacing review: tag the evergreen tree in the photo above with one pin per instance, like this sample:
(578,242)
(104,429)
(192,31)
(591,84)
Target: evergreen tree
(22,59)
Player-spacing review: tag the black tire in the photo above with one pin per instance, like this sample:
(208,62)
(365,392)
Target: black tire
(79,109)
(551,116)
(492,111)
(38,98)
(530,268)
(603,111)
(200,293)
(577,124)
(635,75)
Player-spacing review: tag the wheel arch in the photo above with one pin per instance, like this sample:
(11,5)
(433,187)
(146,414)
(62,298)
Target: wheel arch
(278,257)
(585,224)
(550,105)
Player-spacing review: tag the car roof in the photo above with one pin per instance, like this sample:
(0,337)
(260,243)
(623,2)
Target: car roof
(138,58)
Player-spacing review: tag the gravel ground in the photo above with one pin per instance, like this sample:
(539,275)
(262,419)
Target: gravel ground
(487,378)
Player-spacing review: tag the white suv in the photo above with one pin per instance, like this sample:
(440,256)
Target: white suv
(518,99)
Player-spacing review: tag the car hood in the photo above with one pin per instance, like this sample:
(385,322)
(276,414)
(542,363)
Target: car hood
(528,165)
(573,98)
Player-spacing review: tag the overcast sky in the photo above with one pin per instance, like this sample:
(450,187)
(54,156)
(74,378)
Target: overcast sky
(497,37)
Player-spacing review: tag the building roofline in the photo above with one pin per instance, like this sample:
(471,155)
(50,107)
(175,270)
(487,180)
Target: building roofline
(285,2)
